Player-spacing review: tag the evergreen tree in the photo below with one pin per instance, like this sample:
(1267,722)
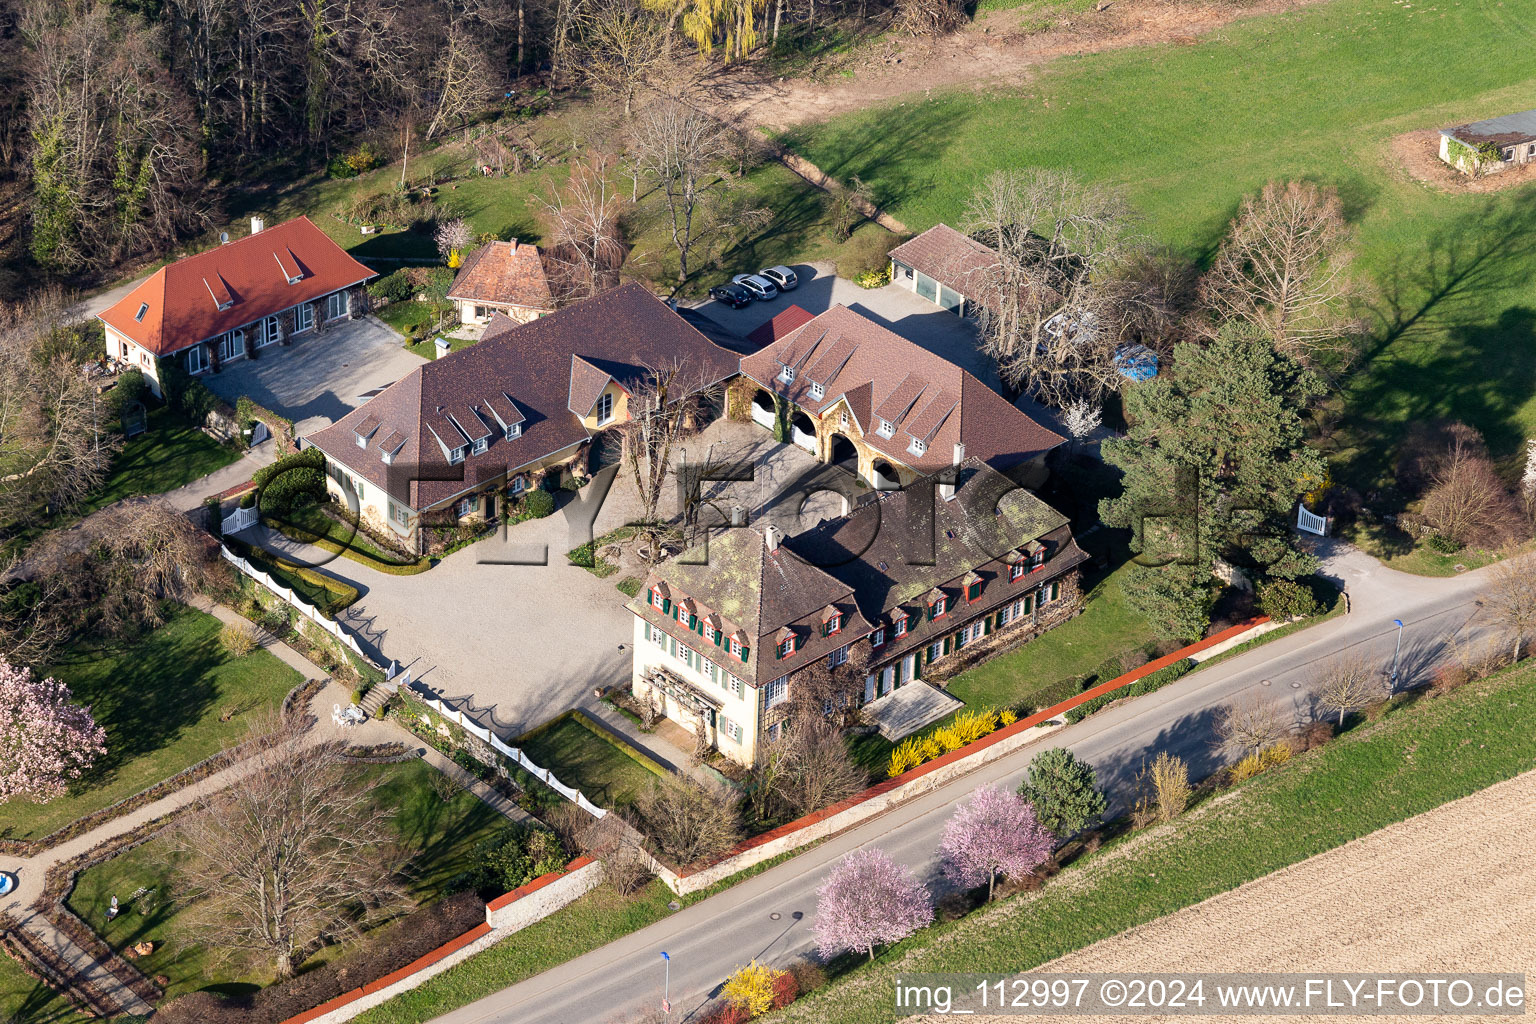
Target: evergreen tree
(1064,792)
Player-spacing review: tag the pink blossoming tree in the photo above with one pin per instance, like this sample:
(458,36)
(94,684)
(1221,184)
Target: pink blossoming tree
(992,833)
(44,739)
(867,900)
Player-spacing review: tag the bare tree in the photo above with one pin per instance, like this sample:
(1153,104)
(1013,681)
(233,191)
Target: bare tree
(615,842)
(150,553)
(623,49)
(1467,502)
(663,411)
(1349,684)
(819,770)
(1510,599)
(678,146)
(1053,274)
(55,447)
(291,856)
(825,694)
(687,819)
(1248,726)
(587,249)
(1282,268)
(463,74)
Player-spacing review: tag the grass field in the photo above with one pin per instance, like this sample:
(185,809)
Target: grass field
(441,837)
(169,454)
(585,757)
(1315,93)
(1414,758)
(25,1000)
(160,698)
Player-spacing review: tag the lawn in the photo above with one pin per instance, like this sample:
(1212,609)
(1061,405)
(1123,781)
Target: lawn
(1318,92)
(25,1000)
(160,698)
(442,837)
(427,347)
(1415,758)
(170,453)
(584,755)
(1397,550)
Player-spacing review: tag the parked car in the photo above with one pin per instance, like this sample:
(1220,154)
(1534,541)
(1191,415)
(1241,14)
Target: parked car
(733,295)
(760,287)
(782,277)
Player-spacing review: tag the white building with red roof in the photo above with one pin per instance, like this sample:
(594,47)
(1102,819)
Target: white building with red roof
(223,304)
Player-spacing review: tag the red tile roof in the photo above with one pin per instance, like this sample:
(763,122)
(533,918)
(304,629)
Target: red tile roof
(504,273)
(203,296)
(951,258)
(779,326)
(923,395)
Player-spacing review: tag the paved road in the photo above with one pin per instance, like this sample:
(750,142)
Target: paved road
(758,918)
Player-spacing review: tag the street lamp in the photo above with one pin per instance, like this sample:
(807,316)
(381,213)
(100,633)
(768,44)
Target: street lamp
(1392,683)
(666,986)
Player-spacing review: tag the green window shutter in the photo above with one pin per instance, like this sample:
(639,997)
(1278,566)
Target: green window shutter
(672,646)
(986,626)
(799,642)
(666,606)
(746,652)
(946,645)
(1055,591)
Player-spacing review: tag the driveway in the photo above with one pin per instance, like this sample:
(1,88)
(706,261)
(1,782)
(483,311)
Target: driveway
(919,321)
(320,377)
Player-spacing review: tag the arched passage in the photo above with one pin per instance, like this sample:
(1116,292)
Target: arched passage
(802,431)
(842,453)
(763,413)
(884,476)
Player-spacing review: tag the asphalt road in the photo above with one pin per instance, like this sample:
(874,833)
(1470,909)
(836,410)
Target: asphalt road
(769,917)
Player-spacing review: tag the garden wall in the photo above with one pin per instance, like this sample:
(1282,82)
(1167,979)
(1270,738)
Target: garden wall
(883,796)
(505,916)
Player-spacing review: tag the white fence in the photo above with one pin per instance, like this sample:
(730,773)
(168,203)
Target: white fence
(240,519)
(1311,522)
(547,777)
(306,609)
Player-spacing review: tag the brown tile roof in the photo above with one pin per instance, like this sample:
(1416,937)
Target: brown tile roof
(922,394)
(587,384)
(516,369)
(778,327)
(951,258)
(249,277)
(504,273)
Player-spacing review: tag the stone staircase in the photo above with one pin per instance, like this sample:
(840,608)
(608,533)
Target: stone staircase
(375,698)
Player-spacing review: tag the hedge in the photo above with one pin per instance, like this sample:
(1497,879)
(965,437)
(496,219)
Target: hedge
(293,481)
(1146,684)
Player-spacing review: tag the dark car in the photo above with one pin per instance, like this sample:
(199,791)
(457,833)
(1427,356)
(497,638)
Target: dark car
(733,295)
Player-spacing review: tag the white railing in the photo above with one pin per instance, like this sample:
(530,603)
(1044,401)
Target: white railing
(480,732)
(1311,522)
(240,519)
(303,607)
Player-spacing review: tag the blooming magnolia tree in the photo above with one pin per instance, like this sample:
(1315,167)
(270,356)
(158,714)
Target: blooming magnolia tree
(44,739)
(868,899)
(994,832)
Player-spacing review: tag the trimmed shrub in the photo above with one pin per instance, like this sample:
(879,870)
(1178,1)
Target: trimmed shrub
(1283,600)
(866,252)
(539,503)
(1146,684)
(395,286)
(294,481)
(130,388)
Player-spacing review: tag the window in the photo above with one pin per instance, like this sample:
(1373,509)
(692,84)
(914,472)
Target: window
(303,317)
(232,344)
(605,408)
(877,637)
(457,455)
(973,592)
(519,484)
(514,431)
(689,655)
(481,312)
(834,624)
(335,305)
(196,362)
(400,514)
(837,657)
(1015,571)
(787,647)
(776,691)
(1055,591)
(1037,560)
(709,632)
(901,625)
(886,428)
(939,607)
(918,446)
(975,631)
(735,685)
(658,637)
(736,649)
(730,728)
(842,419)
(138,317)
(817,391)
(935,651)
(466,507)
(270,332)
(481,444)
(787,375)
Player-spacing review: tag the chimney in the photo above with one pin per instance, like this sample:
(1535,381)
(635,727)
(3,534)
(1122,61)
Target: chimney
(738,516)
(257,223)
(948,478)
(513,243)
(959,453)
(771,537)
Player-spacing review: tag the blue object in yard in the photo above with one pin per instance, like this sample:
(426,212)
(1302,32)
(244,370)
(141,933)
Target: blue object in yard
(1136,362)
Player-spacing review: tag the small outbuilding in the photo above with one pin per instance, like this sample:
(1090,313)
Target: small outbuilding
(502,277)
(1496,144)
(946,267)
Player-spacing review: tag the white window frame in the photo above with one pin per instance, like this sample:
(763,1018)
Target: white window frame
(456,455)
(519,484)
(481,445)
(787,375)
(657,601)
(901,625)
(736,649)
(466,506)
(936,650)
(196,354)
(658,636)
(514,431)
(270,333)
(918,446)
(886,428)
(736,686)
(941,608)
(818,392)
(400,515)
(604,407)
(303,318)
(837,657)
(332,300)
(787,647)
(877,638)
(731,728)
(776,692)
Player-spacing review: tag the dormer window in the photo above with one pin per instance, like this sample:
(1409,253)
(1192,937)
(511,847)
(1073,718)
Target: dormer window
(877,638)
(918,446)
(787,647)
(138,317)
(937,607)
(456,456)
(605,408)
(737,650)
(514,431)
(834,624)
(973,590)
(1015,571)
(709,632)
(481,445)
(901,625)
(787,375)
(886,428)
(817,391)
(658,600)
